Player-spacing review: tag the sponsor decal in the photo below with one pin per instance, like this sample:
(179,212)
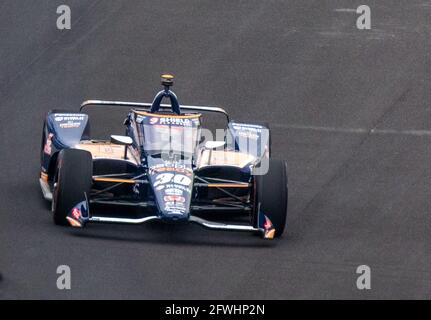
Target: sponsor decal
(174,199)
(244,126)
(154,120)
(159,188)
(74,223)
(248,135)
(69,120)
(269,229)
(248,131)
(48,144)
(268,224)
(171,166)
(174,211)
(176,122)
(68,117)
(70,125)
(174,192)
(165,178)
(182,170)
(178,187)
(75,218)
(108,149)
(175,208)
(76,213)
(269,234)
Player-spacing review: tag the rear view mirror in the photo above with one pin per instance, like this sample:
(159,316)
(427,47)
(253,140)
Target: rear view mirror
(121,140)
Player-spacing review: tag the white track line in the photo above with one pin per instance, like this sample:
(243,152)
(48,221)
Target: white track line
(374,131)
(345,10)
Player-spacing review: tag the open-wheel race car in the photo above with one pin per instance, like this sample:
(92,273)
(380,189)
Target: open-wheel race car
(163,169)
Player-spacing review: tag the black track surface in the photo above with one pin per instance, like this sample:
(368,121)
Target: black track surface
(358,195)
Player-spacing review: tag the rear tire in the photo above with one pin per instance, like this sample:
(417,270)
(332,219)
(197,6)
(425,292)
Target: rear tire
(72,181)
(271,191)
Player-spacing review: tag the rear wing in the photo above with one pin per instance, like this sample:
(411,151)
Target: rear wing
(147,106)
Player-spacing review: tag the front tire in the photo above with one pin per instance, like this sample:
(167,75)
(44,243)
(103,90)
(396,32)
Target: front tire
(73,182)
(271,192)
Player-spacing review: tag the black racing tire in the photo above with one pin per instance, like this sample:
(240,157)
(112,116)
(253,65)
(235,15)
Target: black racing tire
(42,144)
(73,181)
(271,192)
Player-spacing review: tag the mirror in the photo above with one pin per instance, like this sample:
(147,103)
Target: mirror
(214,144)
(121,140)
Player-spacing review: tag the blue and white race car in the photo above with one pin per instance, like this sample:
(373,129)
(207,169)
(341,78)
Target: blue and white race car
(163,169)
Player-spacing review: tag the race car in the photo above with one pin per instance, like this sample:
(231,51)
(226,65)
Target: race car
(163,169)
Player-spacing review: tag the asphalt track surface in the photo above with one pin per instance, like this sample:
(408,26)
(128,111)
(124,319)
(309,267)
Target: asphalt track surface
(349,111)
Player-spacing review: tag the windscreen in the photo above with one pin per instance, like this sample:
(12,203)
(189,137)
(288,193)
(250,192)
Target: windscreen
(169,134)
